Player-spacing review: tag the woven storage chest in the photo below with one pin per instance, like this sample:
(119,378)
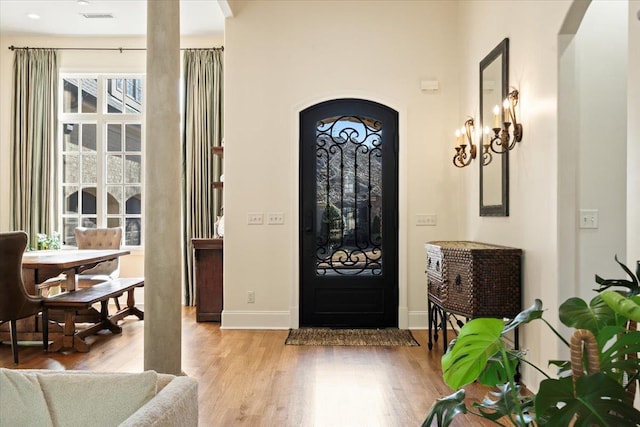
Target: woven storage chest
(474,279)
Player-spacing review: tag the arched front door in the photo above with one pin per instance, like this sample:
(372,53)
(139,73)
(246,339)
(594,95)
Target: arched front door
(349,214)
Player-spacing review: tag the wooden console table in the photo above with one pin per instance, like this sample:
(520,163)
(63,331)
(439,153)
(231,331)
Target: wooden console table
(471,279)
(208,279)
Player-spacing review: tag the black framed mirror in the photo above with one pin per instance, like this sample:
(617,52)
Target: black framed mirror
(494,167)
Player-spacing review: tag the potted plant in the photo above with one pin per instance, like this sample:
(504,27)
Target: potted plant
(578,398)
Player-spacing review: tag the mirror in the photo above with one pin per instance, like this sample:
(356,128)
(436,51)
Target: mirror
(494,169)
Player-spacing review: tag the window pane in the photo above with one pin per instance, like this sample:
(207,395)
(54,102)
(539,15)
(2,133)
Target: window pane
(89,222)
(134,96)
(113,222)
(133,232)
(70,168)
(88,137)
(114,199)
(133,135)
(89,92)
(68,227)
(71,199)
(114,137)
(114,168)
(70,137)
(70,96)
(114,95)
(134,201)
(133,172)
(89,169)
(89,200)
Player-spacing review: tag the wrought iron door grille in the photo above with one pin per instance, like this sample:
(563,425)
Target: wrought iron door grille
(349,196)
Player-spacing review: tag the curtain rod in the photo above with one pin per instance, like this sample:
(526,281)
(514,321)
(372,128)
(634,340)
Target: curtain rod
(121,49)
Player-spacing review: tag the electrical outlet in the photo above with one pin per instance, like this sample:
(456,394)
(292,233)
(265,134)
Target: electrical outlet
(275,218)
(251,297)
(426,219)
(255,218)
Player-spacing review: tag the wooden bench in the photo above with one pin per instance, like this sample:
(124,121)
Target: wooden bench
(83,299)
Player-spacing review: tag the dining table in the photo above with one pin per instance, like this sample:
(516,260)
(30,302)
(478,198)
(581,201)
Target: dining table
(40,266)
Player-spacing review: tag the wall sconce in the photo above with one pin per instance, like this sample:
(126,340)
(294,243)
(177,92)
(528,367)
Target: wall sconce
(486,151)
(502,141)
(464,136)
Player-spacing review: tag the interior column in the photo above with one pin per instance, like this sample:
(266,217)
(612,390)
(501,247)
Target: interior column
(162,266)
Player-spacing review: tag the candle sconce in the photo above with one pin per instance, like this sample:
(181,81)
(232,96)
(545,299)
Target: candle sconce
(502,141)
(487,157)
(463,136)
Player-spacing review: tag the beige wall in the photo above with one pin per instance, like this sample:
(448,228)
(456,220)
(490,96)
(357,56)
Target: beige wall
(601,75)
(284,56)
(633,136)
(532,28)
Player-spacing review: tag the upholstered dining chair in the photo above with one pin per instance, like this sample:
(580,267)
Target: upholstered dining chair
(99,238)
(15,303)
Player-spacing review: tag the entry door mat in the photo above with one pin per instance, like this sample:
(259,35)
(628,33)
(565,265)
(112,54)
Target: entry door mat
(351,337)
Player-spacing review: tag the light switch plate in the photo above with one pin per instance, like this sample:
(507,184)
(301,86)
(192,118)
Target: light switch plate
(275,218)
(426,219)
(588,218)
(255,218)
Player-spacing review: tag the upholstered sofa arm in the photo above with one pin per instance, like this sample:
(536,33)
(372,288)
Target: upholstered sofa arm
(176,405)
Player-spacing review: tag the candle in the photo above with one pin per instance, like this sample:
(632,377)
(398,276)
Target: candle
(496,117)
(507,111)
(486,135)
(458,138)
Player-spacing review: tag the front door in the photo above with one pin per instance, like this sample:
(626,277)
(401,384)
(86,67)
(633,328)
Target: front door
(349,214)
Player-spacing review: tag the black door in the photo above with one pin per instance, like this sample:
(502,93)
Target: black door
(349,214)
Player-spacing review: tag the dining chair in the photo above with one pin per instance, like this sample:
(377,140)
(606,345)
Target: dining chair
(99,238)
(15,303)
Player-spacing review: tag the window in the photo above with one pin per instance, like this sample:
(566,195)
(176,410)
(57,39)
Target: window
(101,128)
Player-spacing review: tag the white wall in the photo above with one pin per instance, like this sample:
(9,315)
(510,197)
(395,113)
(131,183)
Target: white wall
(71,61)
(601,78)
(633,137)
(532,28)
(282,56)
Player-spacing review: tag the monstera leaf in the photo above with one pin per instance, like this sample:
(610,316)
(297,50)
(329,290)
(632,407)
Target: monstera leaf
(478,340)
(495,372)
(526,316)
(445,409)
(598,400)
(633,285)
(575,313)
(629,307)
(621,355)
(501,403)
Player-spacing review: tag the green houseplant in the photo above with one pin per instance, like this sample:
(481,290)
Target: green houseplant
(603,398)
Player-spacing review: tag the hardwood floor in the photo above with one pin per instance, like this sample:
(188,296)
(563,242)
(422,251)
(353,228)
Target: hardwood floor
(250,378)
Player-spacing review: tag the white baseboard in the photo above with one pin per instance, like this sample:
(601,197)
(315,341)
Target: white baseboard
(255,320)
(418,320)
(282,320)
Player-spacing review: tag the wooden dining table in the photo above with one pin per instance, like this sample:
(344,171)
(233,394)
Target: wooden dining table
(39,266)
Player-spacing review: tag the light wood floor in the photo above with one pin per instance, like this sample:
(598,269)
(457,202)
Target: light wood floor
(250,378)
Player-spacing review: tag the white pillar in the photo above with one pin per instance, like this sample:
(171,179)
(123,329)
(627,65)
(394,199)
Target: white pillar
(163,253)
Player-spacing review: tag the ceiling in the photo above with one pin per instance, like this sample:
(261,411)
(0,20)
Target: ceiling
(64,17)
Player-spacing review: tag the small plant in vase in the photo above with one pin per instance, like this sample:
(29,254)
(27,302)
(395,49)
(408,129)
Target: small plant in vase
(595,388)
(49,242)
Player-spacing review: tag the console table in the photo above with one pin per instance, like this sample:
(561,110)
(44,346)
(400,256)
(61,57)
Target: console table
(208,279)
(471,279)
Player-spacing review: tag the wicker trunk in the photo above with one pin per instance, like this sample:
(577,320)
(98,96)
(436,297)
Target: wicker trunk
(474,279)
